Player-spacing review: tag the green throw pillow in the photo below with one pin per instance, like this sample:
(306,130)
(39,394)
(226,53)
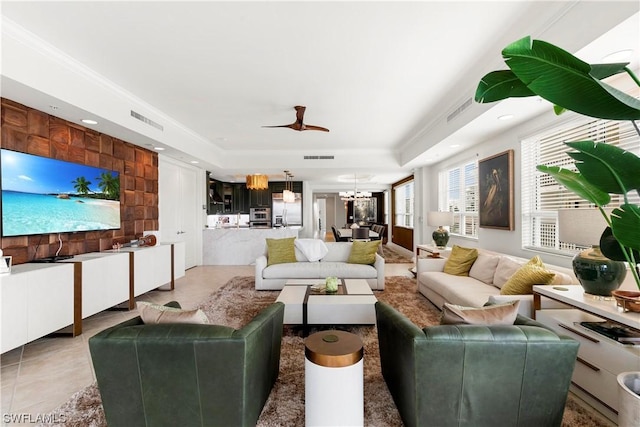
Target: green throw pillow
(532,273)
(363,252)
(460,261)
(280,251)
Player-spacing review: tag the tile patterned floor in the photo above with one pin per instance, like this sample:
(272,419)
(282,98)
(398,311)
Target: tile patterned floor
(40,376)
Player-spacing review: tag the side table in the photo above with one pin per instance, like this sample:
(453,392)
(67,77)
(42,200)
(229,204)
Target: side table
(334,391)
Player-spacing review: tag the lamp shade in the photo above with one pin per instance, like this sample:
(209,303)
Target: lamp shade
(257,182)
(435,219)
(582,227)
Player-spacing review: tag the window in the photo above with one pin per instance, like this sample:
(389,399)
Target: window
(542,196)
(458,193)
(403,195)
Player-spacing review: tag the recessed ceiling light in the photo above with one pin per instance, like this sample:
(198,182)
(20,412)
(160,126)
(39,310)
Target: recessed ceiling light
(158,148)
(455,146)
(619,56)
(505,117)
(89,122)
(195,162)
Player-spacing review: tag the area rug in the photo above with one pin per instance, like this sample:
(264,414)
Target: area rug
(392,256)
(237,302)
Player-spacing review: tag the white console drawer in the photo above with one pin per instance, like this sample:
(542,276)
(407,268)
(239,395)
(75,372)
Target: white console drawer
(600,384)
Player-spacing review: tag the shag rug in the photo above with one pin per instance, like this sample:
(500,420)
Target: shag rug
(393,257)
(237,302)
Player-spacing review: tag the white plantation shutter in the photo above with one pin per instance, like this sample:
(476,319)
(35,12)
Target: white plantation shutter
(542,196)
(458,193)
(404,201)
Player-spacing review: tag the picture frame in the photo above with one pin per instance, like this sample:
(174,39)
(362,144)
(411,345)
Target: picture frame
(495,185)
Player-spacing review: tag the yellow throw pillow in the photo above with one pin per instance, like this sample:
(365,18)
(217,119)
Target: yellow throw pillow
(280,251)
(460,261)
(497,314)
(532,273)
(363,252)
(151,313)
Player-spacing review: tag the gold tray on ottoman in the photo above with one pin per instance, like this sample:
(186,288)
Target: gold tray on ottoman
(627,300)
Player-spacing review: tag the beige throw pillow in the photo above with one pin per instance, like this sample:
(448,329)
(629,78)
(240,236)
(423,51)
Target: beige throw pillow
(484,267)
(497,314)
(151,313)
(505,269)
(460,261)
(532,273)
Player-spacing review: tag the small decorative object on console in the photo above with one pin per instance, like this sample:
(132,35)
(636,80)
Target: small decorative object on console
(331,283)
(627,300)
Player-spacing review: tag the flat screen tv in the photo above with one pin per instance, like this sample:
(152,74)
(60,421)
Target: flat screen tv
(42,195)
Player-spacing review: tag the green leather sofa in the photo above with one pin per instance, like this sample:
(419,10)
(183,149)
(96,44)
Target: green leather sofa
(187,374)
(467,375)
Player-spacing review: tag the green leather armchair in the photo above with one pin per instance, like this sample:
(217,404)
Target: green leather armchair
(467,375)
(187,374)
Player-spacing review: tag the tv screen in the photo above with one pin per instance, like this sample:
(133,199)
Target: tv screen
(42,195)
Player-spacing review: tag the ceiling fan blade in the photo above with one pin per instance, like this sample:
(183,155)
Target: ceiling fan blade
(312,127)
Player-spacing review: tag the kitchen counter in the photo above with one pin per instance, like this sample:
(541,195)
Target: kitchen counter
(239,246)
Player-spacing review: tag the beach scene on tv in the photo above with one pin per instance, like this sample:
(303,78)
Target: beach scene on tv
(42,195)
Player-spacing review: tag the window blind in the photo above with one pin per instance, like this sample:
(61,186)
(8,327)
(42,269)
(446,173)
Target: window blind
(458,193)
(542,196)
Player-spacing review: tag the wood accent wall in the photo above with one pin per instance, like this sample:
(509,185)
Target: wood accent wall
(32,131)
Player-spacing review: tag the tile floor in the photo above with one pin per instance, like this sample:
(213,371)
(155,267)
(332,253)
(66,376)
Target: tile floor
(40,376)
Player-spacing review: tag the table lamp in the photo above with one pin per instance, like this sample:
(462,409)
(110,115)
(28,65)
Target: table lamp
(439,219)
(597,274)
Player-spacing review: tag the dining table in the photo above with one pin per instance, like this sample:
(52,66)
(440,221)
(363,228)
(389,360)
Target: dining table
(347,233)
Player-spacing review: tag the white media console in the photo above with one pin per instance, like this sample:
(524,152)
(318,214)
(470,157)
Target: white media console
(39,299)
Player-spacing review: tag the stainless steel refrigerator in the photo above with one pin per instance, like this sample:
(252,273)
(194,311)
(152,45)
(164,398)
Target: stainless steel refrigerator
(286,214)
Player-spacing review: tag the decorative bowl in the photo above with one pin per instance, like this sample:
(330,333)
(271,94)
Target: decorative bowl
(627,300)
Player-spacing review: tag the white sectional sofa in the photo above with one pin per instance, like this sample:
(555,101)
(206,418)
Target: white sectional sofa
(334,263)
(483,283)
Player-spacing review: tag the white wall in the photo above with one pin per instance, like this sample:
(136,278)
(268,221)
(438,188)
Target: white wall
(497,240)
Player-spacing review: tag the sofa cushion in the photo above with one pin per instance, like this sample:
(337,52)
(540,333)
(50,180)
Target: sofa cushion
(459,290)
(293,270)
(562,279)
(497,314)
(338,251)
(484,267)
(280,250)
(532,273)
(151,313)
(313,249)
(506,268)
(363,252)
(347,271)
(460,261)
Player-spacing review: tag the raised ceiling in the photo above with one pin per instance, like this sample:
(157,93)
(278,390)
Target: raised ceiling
(382,76)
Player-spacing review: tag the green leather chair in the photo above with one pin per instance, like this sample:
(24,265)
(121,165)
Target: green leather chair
(467,375)
(186,374)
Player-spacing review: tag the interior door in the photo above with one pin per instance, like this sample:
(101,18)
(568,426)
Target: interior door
(178,204)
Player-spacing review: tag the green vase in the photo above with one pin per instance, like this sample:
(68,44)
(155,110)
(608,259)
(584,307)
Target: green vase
(597,274)
(440,237)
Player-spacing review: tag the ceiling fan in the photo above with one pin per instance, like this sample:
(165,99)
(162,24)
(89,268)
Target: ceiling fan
(299,124)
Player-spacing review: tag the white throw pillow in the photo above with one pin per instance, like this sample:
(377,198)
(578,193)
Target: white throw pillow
(151,313)
(505,269)
(484,267)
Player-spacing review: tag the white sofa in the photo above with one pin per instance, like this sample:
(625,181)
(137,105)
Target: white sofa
(483,284)
(334,263)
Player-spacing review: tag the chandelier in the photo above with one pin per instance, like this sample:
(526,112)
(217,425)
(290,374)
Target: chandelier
(287,195)
(257,182)
(355,195)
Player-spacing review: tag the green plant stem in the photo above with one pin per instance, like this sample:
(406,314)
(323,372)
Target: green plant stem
(632,75)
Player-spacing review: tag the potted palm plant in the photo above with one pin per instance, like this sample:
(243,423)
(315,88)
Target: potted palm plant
(538,68)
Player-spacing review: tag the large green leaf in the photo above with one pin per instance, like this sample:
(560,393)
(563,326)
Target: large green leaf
(499,85)
(606,166)
(561,78)
(610,247)
(625,222)
(576,183)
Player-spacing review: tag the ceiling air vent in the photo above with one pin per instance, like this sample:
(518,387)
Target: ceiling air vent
(146,120)
(459,110)
(318,157)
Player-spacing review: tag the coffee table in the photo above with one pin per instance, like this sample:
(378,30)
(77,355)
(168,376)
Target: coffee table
(353,304)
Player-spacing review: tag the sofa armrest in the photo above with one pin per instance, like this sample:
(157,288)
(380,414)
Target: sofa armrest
(261,264)
(379,266)
(430,264)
